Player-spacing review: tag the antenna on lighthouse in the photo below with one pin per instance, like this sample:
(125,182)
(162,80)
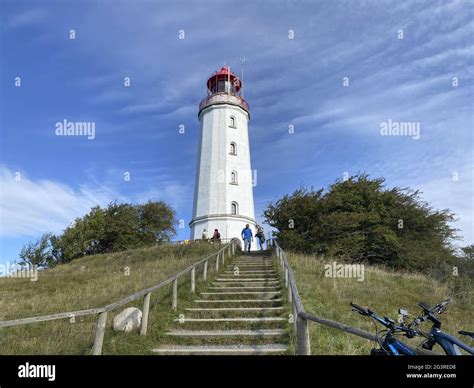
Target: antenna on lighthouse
(242,63)
(228,80)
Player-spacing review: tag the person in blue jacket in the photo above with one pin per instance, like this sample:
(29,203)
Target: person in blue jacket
(247,236)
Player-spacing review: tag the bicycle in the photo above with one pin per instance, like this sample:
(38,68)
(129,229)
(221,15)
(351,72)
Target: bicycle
(448,342)
(390,345)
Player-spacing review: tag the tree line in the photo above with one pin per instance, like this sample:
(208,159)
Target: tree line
(357,219)
(361,220)
(114,228)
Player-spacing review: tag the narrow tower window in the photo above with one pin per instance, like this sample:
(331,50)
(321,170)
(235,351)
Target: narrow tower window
(233,177)
(233,148)
(234,208)
(232,122)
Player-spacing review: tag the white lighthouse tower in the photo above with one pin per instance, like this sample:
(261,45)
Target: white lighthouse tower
(223,196)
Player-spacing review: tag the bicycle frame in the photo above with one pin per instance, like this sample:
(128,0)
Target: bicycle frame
(391,345)
(449,343)
(397,347)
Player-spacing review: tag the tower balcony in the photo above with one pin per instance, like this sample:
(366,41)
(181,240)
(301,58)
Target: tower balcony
(223,98)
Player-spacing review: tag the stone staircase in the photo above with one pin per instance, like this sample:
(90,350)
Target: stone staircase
(241,312)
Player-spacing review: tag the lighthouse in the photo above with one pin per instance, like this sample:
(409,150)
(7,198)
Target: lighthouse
(223,195)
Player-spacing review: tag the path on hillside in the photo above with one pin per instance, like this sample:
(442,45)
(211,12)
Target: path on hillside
(242,312)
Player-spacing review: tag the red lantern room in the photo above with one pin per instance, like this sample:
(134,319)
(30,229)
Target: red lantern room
(224,81)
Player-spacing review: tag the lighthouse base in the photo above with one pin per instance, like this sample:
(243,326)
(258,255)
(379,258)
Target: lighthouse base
(229,227)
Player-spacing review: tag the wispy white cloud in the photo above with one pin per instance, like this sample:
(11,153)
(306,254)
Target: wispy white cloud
(286,82)
(453,192)
(26,18)
(31,207)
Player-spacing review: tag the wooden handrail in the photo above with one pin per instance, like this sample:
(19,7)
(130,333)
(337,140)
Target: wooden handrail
(341,326)
(102,311)
(51,317)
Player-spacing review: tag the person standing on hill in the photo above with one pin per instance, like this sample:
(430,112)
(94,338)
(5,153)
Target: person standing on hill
(247,236)
(216,237)
(260,236)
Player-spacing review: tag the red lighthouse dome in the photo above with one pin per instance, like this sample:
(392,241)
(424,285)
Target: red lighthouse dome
(224,88)
(224,81)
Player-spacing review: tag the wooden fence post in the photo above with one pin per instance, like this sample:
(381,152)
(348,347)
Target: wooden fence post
(193,279)
(303,345)
(99,334)
(204,273)
(217,262)
(290,295)
(223,256)
(295,321)
(146,310)
(174,302)
(286,277)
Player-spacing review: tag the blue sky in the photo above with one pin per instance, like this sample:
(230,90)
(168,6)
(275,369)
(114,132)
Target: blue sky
(295,82)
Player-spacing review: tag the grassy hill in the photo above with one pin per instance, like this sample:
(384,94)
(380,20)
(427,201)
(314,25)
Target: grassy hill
(383,290)
(97,280)
(91,282)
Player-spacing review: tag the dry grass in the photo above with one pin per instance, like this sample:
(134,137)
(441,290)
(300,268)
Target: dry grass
(98,280)
(382,290)
(90,282)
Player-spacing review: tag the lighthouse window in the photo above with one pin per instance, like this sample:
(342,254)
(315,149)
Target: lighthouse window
(233,149)
(233,177)
(234,208)
(232,122)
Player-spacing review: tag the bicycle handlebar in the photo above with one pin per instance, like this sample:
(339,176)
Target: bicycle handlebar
(438,308)
(360,310)
(428,313)
(407,329)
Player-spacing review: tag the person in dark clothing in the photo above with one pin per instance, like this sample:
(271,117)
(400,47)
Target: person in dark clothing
(260,236)
(216,237)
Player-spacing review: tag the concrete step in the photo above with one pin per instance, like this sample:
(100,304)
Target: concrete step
(226,286)
(263,262)
(244,278)
(246,283)
(249,268)
(239,270)
(222,349)
(235,312)
(245,288)
(237,319)
(230,279)
(231,268)
(238,301)
(248,272)
(237,309)
(259,333)
(237,263)
(238,279)
(260,294)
